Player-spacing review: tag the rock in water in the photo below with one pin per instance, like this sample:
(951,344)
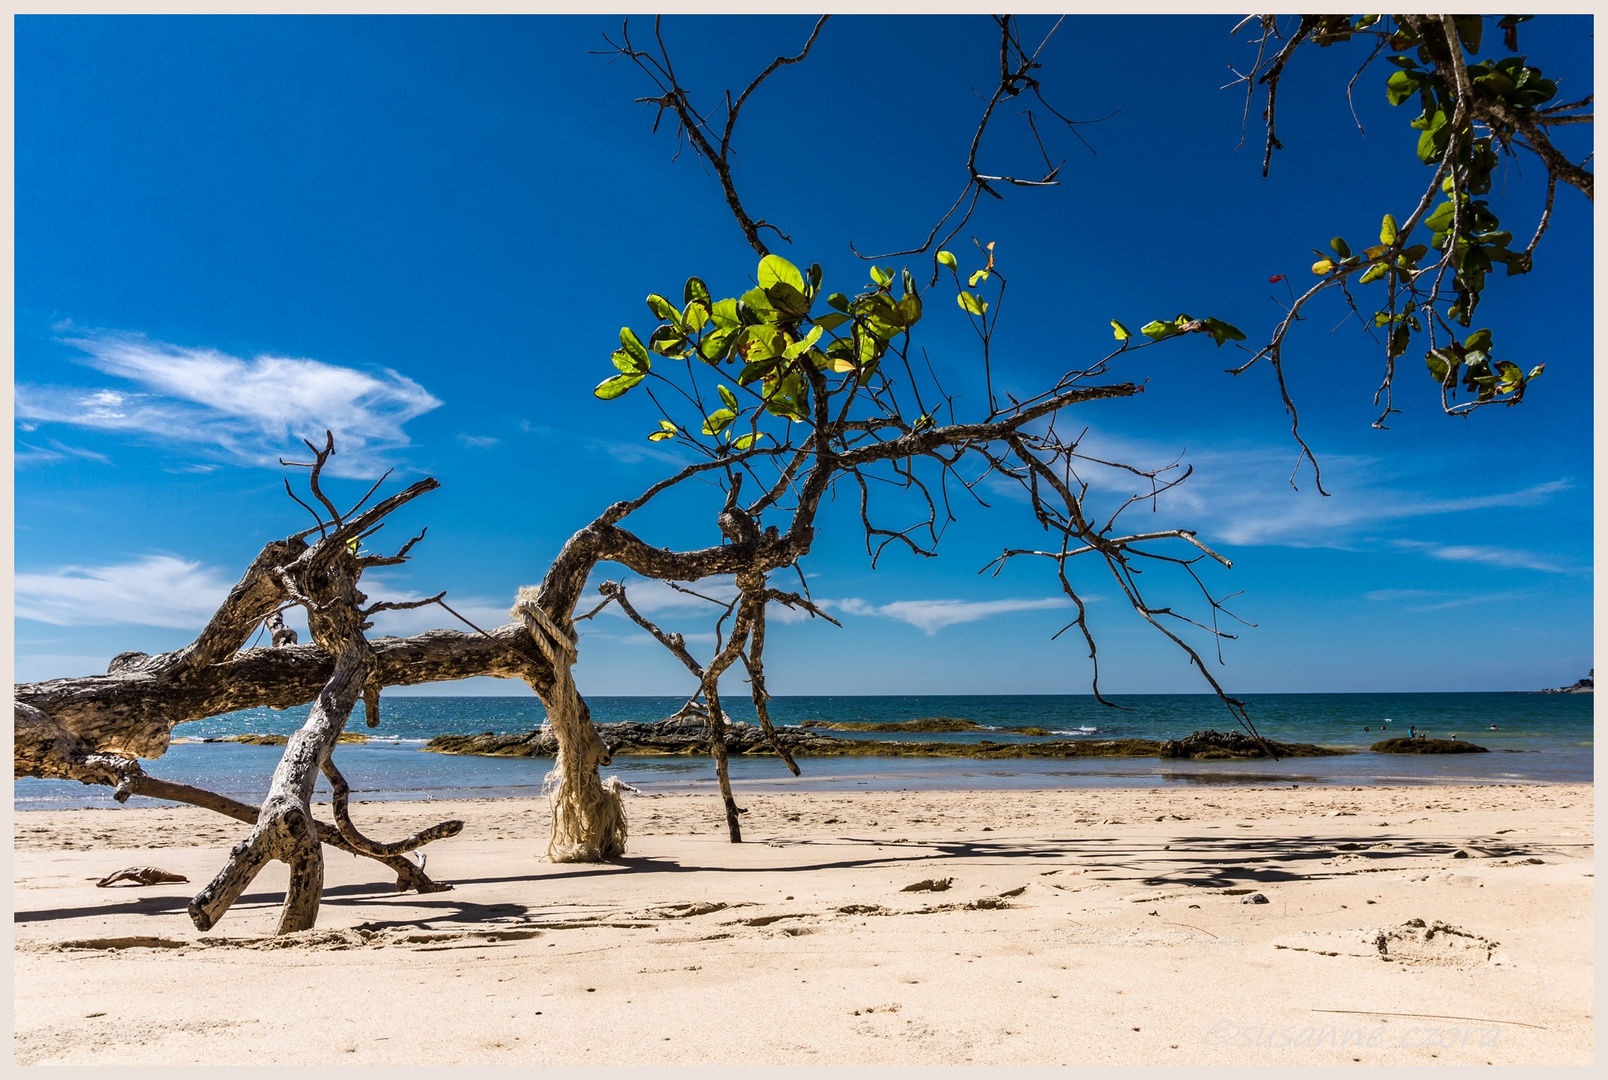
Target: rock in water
(1209,745)
(1427,746)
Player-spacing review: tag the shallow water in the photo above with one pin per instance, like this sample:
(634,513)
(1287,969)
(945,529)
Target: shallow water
(1551,734)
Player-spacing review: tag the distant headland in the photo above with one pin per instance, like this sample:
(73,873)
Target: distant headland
(1583,686)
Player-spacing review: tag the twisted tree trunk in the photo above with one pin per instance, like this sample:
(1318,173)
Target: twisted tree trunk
(285,829)
(588,816)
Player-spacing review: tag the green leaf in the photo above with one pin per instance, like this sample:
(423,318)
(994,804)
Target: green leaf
(1340,247)
(743,442)
(799,348)
(696,292)
(946,259)
(613,387)
(695,317)
(1535,372)
(1222,331)
(664,309)
(633,346)
(830,321)
(977,275)
(1322,266)
(717,421)
(755,307)
(775,270)
(660,436)
(716,346)
(788,300)
(1372,274)
(789,399)
(1388,230)
(971,303)
(909,309)
(880,276)
(839,301)
(723,313)
(756,370)
(762,343)
(1158,330)
(1469,30)
(1399,339)
(1400,86)
(1479,339)
(814,278)
(1120,332)
(1432,143)
(728,397)
(667,340)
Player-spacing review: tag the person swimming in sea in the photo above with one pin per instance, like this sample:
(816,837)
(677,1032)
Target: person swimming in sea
(1412,731)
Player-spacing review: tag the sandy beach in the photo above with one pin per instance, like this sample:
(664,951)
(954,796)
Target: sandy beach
(1406,925)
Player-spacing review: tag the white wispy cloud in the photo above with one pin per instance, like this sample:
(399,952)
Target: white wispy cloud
(1444,600)
(478,442)
(248,411)
(1472,598)
(54,450)
(1479,553)
(931,616)
(158,590)
(1386,595)
(1240,495)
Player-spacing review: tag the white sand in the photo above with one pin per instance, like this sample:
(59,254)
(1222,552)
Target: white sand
(1118,941)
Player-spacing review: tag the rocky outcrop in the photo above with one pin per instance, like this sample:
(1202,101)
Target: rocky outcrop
(1427,746)
(929,723)
(1583,686)
(1218,745)
(675,736)
(690,737)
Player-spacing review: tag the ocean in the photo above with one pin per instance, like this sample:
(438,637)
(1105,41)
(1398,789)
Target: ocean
(1536,738)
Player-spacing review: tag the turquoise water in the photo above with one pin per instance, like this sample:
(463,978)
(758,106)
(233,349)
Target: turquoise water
(1539,738)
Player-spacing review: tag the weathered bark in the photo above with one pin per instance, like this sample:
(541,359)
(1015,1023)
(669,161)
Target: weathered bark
(409,875)
(131,710)
(717,747)
(754,659)
(285,830)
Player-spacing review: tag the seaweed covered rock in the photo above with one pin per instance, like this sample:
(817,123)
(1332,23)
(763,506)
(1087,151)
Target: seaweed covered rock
(1220,745)
(1426,746)
(280,740)
(675,736)
(927,723)
(690,736)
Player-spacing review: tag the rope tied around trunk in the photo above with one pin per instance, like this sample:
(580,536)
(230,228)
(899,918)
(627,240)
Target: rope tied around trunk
(588,813)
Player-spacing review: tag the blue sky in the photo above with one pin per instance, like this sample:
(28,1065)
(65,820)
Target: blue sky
(426,233)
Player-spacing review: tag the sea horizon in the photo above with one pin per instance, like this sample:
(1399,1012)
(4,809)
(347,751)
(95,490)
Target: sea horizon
(1538,738)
